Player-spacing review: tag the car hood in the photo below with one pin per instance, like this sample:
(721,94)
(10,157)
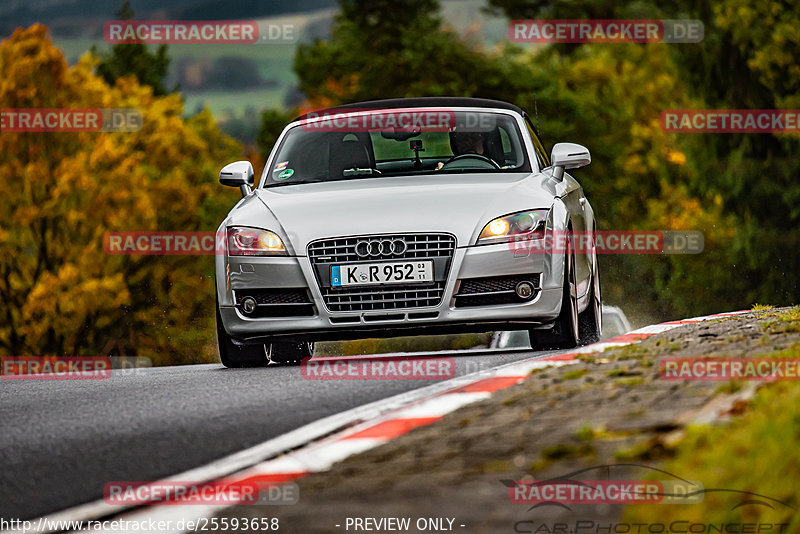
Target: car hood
(457,204)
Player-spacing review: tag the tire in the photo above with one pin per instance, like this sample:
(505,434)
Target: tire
(590,321)
(564,334)
(289,352)
(233,355)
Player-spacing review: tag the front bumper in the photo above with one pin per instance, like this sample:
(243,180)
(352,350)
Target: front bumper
(243,273)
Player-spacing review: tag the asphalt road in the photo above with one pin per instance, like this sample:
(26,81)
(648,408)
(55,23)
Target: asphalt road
(61,441)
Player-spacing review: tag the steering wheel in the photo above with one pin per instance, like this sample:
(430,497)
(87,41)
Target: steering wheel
(482,162)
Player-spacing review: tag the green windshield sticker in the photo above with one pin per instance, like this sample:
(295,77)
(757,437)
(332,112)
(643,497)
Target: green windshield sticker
(285,174)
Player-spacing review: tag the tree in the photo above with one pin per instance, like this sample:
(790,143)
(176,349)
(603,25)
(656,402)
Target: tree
(384,49)
(134,60)
(62,192)
(747,60)
(272,124)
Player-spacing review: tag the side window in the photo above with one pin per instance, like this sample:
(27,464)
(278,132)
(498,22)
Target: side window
(541,153)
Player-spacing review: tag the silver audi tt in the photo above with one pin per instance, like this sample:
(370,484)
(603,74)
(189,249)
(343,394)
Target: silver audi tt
(403,217)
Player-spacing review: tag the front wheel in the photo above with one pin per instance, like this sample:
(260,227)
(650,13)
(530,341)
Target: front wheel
(233,355)
(590,321)
(564,334)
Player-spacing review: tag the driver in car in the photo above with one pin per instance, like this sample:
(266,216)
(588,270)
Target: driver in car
(466,143)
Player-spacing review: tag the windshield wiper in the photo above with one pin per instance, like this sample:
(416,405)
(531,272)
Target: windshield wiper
(295,182)
(360,172)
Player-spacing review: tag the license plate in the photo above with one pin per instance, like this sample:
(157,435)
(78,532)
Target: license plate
(364,274)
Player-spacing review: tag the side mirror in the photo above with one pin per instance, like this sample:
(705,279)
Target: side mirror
(238,174)
(568,156)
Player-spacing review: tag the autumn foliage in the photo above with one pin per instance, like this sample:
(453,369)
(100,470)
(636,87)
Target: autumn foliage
(62,192)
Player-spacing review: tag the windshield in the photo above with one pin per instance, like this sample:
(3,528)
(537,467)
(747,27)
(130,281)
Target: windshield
(398,143)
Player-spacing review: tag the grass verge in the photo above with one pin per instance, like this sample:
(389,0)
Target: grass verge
(752,453)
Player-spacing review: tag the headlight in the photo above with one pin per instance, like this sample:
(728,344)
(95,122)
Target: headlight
(509,227)
(254,242)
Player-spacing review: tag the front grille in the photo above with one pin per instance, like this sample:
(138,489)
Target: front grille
(438,248)
(493,291)
(278,302)
(420,246)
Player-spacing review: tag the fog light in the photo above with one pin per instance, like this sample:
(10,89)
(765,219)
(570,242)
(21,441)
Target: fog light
(524,290)
(249,304)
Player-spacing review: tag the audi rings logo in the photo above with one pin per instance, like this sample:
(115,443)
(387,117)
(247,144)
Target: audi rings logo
(380,247)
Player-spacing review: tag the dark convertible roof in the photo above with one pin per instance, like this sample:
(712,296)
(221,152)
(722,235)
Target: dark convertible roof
(422,102)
